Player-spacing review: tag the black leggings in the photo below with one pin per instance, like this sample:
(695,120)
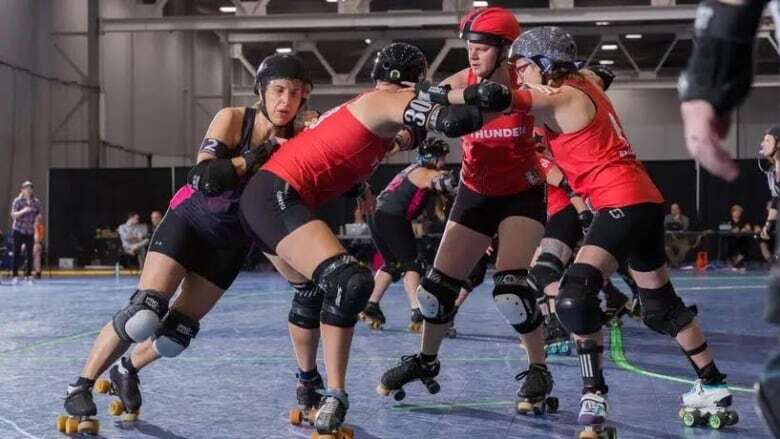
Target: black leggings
(27,240)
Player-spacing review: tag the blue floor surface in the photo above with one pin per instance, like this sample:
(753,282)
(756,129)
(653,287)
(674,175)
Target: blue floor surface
(237,379)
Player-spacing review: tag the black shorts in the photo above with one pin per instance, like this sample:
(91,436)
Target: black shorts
(394,238)
(634,232)
(181,241)
(271,209)
(483,213)
(565,227)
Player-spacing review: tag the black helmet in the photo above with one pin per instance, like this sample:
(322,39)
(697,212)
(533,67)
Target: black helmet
(399,62)
(430,150)
(281,66)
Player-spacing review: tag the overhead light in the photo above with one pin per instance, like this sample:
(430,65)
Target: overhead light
(332,1)
(606,62)
(284,50)
(367,40)
(480,3)
(602,23)
(609,47)
(227,9)
(633,36)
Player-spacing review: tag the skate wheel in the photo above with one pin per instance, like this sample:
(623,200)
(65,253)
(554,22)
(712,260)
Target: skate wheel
(717,421)
(552,404)
(375,325)
(523,407)
(102,386)
(681,413)
(116,408)
(587,434)
(61,422)
(71,426)
(130,417)
(415,327)
(382,390)
(399,395)
(346,433)
(551,350)
(433,387)
(295,416)
(733,418)
(565,349)
(689,419)
(89,426)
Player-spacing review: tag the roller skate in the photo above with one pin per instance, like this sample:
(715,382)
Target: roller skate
(409,369)
(416,323)
(707,405)
(635,308)
(557,340)
(593,416)
(81,409)
(373,316)
(309,394)
(124,384)
(533,397)
(330,417)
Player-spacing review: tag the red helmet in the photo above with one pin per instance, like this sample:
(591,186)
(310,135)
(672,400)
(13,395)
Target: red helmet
(494,26)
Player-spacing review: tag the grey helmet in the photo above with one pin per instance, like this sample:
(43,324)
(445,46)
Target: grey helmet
(549,47)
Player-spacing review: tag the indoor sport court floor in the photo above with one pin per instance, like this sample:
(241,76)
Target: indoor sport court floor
(237,380)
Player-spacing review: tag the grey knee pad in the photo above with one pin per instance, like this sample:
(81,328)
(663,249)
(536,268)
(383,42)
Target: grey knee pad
(306,306)
(175,333)
(578,305)
(141,317)
(663,311)
(346,285)
(516,300)
(436,295)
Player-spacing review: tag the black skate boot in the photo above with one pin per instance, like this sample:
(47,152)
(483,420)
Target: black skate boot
(80,407)
(309,393)
(373,316)
(416,321)
(409,369)
(124,384)
(557,340)
(533,397)
(330,416)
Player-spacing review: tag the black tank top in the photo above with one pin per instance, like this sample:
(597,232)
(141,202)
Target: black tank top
(401,197)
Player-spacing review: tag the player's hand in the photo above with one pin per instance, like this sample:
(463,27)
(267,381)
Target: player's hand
(704,131)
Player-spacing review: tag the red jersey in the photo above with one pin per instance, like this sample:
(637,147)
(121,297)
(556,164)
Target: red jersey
(329,158)
(598,160)
(499,158)
(557,199)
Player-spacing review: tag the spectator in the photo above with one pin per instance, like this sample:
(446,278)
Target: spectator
(738,246)
(38,236)
(134,237)
(766,239)
(677,244)
(155,217)
(24,209)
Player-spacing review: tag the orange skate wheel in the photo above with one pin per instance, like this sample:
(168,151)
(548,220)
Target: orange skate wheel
(346,433)
(62,421)
(116,408)
(72,426)
(102,386)
(295,416)
(89,426)
(589,434)
(382,390)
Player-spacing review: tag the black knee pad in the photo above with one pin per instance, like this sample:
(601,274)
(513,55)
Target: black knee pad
(418,266)
(547,269)
(141,317)
(477,275)
(394,269)
(436,295)
(663,311)
(516,300)
(578,305)
(306,306)
(175,333)
(346,285)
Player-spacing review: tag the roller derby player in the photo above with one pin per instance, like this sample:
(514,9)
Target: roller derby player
(716,80)
(500,193)
(339,151)
(588,144)
(200,245)
(391,227)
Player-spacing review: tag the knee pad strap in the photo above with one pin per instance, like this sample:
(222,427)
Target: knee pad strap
(306,306)
(547,270)
(663,311)
(346,285)
(141,317)
(436,294)
(175,333)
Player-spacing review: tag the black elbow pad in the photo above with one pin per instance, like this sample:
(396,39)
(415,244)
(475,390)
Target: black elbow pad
(455,120)
(213,176)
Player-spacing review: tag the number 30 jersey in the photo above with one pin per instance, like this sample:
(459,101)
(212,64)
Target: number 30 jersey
(598,160)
